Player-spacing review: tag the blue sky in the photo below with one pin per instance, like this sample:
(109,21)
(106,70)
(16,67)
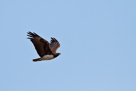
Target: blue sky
(98,45)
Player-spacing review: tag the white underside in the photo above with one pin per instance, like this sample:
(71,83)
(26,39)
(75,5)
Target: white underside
(47,57)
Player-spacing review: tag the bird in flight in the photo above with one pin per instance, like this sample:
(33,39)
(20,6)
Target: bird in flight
(46,50)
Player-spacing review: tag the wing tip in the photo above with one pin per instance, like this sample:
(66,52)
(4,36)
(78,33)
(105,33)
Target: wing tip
(31,35)
(53,39)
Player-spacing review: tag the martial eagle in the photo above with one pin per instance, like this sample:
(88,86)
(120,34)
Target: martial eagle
(46,50)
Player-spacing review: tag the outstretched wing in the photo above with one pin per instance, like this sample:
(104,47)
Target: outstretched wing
(41,45)
(54,45)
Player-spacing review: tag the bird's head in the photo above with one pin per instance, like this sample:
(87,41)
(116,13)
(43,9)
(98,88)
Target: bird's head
(57,54)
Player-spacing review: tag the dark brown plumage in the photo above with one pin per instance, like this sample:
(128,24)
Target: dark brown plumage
(43,47)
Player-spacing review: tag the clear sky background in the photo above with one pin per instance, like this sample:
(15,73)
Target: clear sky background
(98,45)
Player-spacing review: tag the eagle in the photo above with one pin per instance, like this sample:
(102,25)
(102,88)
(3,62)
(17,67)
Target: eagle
(46,50)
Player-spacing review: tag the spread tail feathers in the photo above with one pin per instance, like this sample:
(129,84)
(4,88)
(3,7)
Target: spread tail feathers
(38,59)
